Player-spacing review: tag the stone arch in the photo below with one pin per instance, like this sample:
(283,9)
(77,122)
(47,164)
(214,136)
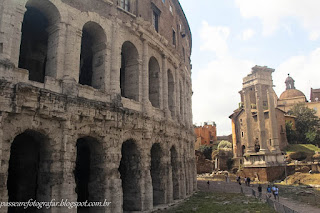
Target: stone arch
(130,173)
(154,82)
(89,173)
(48,8)
(129,71)
(93,55)
(35,47)
(171,102)
(29,168)
(157,174)
(175,174)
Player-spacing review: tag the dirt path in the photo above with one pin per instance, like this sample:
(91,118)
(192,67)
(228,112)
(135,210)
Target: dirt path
(233,187)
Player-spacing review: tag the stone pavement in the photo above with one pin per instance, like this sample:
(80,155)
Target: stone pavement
(233,187)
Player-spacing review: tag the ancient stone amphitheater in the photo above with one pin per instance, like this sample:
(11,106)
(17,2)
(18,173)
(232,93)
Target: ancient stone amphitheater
(95,103)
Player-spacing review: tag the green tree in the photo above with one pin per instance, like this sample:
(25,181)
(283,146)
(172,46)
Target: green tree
(206,151)
(225,145)
(307,125)
(291,133)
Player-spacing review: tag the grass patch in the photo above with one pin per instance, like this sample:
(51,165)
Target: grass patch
(208,202)
(307,148)
(303,179)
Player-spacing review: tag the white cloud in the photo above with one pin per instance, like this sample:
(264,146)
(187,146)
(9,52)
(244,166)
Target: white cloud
(313,36)
(214,38)
(272,12)
(216,86)
(216,91)
(304,69)
(247,34)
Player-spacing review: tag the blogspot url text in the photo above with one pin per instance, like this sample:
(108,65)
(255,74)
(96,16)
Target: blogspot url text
(54,203)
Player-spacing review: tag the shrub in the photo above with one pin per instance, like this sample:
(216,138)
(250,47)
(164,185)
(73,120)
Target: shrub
(304,169)
(298,156)
(206,151)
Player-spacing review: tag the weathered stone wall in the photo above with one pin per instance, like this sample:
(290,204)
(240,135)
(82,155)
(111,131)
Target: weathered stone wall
(264,174)
(203,165)
(94,128)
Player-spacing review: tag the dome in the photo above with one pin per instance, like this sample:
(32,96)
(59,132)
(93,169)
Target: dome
(291,93)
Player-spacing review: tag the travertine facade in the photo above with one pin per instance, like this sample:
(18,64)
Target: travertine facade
(95,103)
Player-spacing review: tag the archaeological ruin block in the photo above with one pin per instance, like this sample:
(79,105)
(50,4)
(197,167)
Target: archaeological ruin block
(95,103)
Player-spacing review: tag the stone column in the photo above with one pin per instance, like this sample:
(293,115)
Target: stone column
(261,120)
(99,61)
(11,18)
(169,183)
(273,122)
(114,192)
(115,60)
(165,86)
(177,96)
(182,100)
(190,107)
(56,50)
(66,190)
(189,111)
(3,173)
(72,53)
(186,169)
(185,102)
(148,193)
(145,78)
(247,108)
(146,180)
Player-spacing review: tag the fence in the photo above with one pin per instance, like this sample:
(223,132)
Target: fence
(276,205)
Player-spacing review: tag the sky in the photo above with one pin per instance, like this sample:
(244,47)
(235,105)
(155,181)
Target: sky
(229,37)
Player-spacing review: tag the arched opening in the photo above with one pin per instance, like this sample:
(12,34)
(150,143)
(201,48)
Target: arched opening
(129,72)
(34,44)
(92,56)
(154,83)
(130,173)
(89,175)
(27,170)
(171,93)
(243,149)
(37,47)
(175,175)
(157,174)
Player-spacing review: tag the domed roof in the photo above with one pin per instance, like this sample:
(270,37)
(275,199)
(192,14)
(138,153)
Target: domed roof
(291,93)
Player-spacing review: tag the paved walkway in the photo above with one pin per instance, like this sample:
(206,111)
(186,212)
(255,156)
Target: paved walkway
(233,187)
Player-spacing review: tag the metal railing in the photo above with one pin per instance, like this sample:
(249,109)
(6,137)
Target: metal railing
(277,206)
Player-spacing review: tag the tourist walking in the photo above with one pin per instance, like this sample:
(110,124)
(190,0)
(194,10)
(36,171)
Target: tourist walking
(260,190)
(268,191)
(239,180)
(248,180)
(276,193)
(273,189)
